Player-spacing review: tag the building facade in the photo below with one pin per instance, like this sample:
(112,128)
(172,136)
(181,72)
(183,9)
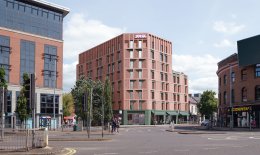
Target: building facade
(139,66)
(31,42)
(194,100)
(240,87)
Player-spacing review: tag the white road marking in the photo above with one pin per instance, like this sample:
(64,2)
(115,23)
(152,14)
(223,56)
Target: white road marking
(148,152)
(184,150)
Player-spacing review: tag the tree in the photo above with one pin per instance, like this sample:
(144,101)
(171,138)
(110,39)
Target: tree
(68,104)
(22,102)
(3,85)
(208,104)
(108,101)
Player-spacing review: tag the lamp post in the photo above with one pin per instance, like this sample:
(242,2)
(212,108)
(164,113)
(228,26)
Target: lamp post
(3,115)
(231,95)
(54,117)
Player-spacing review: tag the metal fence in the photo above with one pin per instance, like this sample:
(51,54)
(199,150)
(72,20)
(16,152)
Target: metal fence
(22,139)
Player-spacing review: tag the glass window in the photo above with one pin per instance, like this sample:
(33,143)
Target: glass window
(140,54)
(5,55)
(131,54)
(152,75)
(257,92)
(131,105)
(140,95)
(140,74)
(243,74)
(233,76)
(27,59)
(140,64)
(131,84)
(257,70)
(131,64)
(47,104)
(50,70)
(161,56)
(140,84)
(140,44)
(131,44)
(153,64)
(152,54)
(225,79)
(244,94)
(131,95)
(131,74)
(153,85)
(140,105)
(225,97)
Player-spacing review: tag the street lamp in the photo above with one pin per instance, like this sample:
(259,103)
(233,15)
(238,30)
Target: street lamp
(231,95)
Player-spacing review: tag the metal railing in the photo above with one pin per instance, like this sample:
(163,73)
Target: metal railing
(22,139)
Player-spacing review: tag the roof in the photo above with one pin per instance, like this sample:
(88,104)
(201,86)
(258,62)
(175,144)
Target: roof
(49,5)
(194,100)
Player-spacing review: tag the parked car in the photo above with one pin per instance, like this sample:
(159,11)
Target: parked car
(205,122)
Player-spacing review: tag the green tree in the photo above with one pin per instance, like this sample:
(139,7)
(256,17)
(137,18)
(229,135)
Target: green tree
(68,104)
(108,101)
(208,104)
(3,82)
(22,109)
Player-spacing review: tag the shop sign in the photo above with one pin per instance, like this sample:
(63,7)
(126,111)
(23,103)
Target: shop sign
(238,109)
(140,36)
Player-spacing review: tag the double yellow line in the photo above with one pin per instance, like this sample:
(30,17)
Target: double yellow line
(71,151)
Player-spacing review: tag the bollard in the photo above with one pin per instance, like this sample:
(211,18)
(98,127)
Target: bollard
(46,138)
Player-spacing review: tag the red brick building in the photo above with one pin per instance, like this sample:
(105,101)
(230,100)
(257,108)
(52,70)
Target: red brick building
(239,86)
(31,42)
(139,65)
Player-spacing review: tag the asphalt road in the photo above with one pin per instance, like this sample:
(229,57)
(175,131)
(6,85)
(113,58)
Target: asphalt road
(157,141)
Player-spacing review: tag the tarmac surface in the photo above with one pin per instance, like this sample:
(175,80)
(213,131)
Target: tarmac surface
(154,140)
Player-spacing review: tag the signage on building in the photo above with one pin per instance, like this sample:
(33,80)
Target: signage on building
(238,109)
(140,36)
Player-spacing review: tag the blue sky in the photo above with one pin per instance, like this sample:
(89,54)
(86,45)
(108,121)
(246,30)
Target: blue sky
(202,31)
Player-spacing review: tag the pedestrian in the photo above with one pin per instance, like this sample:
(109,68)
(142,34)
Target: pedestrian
(117,125)
(113,125)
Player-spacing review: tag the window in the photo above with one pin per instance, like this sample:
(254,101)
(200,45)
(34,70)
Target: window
(140,65)
(219,96)
(27,61)
(185,81)
(131,84)
(140,95)
(140,54)
(162,106)
(257,92)
(233,76)
(162,67)
(165,58)
(131,94)
(225,97)
(161,56)
(185,98)
(178,98)
(166,96)
(153,106)
(167,87)
(5,55)
(152,45)
(162,76)
(47,104)
(219,81)
(113,68)
(140,84)
(174,97)
(257,70)
(174,79)
(118,56)
(131,105)
(179,89)
(161,96)
(152,54)
(243,74)
(119,86)
(152,95)
(131,74)
(153,64)
(153,85)
(140,105)
(140,44)
(225,79)
(140,74)
(131,44)
(152,75)
(166,77)
(162,85)
(8,95)
(131,54)
(108,69)
(244,94)
(131,64)
(178,80)
(107,59)
(119,66)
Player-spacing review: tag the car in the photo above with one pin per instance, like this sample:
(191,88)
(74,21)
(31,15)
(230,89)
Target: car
(205,122)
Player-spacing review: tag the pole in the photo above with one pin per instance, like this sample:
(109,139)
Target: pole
(231,103)
(102,116)
(54,94)
(3,115)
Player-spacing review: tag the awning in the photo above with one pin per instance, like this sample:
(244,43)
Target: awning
(159,112)
(172,113)
(184,113)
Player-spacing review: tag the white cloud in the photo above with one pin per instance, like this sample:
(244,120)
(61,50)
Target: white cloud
(80,34)
(227,27)
(224,43)
(201,71)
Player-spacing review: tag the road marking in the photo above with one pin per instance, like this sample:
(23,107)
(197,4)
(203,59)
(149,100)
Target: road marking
(71,151)
(148,152)
(184,150)
(213,148)
(106,154)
